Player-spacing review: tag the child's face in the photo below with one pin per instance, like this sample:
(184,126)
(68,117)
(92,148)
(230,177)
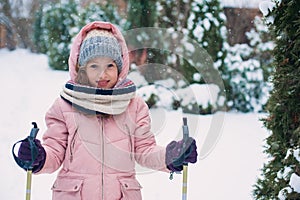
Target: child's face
(102,72)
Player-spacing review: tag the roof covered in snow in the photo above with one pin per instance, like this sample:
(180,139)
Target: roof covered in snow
(241,3)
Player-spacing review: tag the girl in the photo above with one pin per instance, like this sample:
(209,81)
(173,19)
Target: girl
(98,128)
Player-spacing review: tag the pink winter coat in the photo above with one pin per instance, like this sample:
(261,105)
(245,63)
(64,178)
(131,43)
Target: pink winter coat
(97,155)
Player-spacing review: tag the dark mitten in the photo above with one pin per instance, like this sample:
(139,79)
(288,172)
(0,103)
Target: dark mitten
(177,154)
(24,154)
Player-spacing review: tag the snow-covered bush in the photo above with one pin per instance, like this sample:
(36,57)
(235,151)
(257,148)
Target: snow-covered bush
(177,45)
(248,70)
(195,98)
(246,79)
(244,68)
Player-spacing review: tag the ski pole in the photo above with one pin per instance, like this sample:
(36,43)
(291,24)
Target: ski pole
(185,165)
(32,136)
(28,164)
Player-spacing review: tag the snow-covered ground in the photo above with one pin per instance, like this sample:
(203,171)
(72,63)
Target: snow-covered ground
(229,171)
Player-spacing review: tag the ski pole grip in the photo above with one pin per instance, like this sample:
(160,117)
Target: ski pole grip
(185,129)
(34,131)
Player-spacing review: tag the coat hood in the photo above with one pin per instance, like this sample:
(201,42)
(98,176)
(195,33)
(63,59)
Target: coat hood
(74,52)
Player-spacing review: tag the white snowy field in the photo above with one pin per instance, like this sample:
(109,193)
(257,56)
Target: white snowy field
(29,87)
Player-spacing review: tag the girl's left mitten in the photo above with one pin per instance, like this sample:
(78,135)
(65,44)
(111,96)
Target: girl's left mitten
(178,153)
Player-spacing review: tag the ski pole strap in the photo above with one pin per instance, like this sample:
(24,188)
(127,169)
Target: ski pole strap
(26,164)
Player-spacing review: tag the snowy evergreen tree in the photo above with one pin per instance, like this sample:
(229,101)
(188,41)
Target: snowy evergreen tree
(141,13)
(281,174)
(57,23)
(55,29)
(99,12)
(37,38)
(206,25)
(173,15)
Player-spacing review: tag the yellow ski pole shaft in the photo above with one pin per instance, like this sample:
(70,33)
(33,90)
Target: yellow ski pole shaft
(28,184)
(184,182)
(185,165)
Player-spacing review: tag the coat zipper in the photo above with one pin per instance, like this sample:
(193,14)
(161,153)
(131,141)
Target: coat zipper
(72,144)
(130,142)
(102,170)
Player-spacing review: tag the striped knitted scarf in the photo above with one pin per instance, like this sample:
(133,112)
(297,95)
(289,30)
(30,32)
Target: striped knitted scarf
(99,101)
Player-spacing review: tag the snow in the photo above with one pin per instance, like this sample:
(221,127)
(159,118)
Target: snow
(242,3)
(294,185)
(207,93)
(230,144)
(282,193)
(297,154)
(284,173)
(295,182)
(266,6)
(294,179)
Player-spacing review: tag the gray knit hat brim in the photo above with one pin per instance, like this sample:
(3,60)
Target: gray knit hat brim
(99,46)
